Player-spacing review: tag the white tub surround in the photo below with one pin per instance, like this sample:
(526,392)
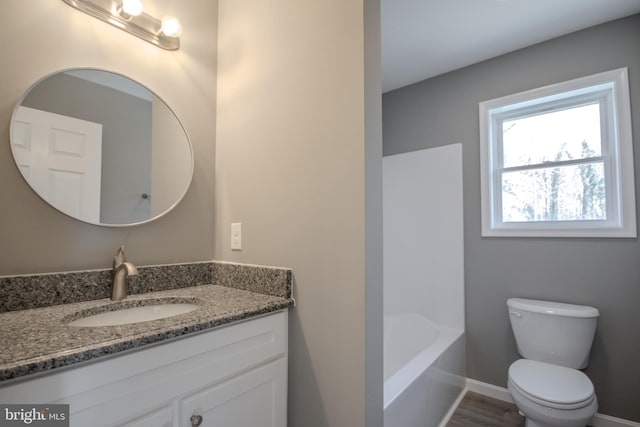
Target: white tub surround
(424,371)
(424,349)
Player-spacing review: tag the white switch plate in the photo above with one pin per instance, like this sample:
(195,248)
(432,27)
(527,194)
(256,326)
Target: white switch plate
(236,236)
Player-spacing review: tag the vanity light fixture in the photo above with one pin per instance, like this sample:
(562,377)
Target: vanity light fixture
(131,7)
(170,26)
(128,15)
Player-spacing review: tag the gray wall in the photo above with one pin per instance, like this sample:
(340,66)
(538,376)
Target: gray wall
(43,36)
(604,273)
(373,295)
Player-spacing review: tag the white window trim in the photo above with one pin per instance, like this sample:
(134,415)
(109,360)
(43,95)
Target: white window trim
(622,225)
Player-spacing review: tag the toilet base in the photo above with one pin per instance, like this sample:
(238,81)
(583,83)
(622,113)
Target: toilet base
(528,422)
(537,415)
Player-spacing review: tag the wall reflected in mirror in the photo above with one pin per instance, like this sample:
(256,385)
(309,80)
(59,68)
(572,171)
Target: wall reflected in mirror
(101,147)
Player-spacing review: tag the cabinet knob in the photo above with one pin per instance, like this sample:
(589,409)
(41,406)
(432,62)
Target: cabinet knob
(196,420)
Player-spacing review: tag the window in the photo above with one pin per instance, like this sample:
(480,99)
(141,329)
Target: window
(558,161)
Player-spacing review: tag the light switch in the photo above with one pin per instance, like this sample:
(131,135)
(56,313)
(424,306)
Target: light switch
(236,236)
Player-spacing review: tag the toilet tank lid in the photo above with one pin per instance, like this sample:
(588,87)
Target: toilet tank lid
(554,308)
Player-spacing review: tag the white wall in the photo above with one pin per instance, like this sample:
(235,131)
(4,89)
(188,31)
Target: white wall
(423,234)
(290,166)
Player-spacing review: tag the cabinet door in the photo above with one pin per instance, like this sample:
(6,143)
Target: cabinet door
(256,398)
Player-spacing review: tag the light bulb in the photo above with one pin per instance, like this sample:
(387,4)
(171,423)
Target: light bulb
(171,26)
(132,7)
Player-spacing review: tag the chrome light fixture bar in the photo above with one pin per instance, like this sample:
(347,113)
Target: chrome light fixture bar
(143,25)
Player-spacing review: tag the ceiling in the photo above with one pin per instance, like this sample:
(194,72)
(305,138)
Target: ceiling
(424,38)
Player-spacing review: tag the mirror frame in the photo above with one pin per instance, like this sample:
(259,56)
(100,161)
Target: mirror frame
(187,139)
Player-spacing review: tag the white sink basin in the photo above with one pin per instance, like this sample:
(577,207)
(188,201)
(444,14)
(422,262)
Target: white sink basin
(153,310)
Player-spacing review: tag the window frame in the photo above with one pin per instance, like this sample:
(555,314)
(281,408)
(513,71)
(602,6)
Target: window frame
(612,88)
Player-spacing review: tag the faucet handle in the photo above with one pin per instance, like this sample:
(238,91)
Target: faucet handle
(120,256)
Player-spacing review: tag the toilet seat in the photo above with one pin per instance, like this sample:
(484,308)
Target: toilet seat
(551,385)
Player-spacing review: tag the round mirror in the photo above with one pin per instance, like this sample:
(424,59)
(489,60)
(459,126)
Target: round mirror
(101,147)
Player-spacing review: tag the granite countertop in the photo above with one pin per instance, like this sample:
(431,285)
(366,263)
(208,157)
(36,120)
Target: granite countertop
(38,340)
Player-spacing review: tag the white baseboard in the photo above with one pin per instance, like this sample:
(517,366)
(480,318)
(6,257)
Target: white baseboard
(601,420)
(453,408)
(489,390)
(501,393)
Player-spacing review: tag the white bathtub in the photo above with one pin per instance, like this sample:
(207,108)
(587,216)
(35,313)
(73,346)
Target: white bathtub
(424,370)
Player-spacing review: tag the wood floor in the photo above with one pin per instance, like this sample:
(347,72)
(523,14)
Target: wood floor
(476,410)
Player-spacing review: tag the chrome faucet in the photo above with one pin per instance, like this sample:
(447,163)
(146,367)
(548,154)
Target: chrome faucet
(121,270)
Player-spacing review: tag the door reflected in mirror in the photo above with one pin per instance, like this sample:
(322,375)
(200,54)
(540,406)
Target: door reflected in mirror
(101,147)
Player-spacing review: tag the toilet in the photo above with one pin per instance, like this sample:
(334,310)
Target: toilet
(555,340)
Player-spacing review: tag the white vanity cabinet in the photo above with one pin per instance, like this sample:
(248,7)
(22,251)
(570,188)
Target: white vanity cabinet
(234,376)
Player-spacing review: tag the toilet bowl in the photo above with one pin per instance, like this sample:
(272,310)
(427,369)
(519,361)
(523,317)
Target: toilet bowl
(550,395)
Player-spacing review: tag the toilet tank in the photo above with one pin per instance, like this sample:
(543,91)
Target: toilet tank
(553,332)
